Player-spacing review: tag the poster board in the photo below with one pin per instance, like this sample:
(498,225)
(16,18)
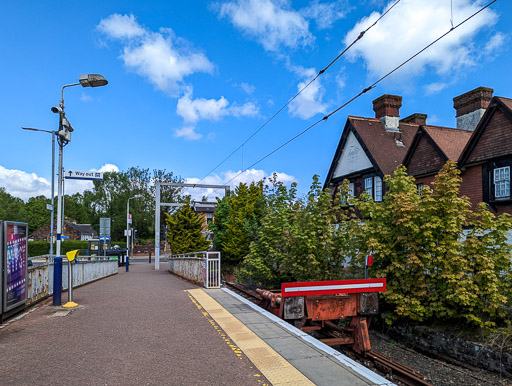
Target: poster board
(15,252)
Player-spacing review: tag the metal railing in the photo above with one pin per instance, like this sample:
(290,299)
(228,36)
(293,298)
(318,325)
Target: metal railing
(202,267)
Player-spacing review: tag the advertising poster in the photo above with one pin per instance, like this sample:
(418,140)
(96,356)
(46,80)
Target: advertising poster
(15,268)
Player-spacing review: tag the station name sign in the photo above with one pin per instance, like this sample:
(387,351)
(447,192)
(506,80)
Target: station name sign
(79,175)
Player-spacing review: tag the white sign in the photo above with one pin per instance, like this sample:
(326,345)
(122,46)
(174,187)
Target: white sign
(49,207)
(78,175)
(126,233)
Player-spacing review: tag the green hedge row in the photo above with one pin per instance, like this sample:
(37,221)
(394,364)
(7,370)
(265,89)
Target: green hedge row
(39,248)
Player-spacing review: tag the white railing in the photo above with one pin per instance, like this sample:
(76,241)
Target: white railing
(202,267)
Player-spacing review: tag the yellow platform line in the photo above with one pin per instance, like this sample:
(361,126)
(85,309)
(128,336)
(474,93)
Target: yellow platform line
(272,365)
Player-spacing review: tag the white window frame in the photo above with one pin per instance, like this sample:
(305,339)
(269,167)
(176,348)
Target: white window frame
(351,192)
(501,180)
(377,183)
(368,185)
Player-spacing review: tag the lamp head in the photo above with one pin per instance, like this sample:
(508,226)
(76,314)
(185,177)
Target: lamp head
(55,110)
(92,80)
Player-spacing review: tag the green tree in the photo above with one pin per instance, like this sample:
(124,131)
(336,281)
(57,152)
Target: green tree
(185,231)
(11,208)
(37,215)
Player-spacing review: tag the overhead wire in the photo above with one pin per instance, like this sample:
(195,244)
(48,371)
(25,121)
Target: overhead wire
(365,90)
(360,36)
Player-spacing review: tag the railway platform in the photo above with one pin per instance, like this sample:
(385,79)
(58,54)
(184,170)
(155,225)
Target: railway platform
(151,327)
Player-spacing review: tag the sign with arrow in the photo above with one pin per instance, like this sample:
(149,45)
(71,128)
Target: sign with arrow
(79,175)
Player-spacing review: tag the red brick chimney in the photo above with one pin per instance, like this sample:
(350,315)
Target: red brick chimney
(416,118)
(387,109)
(471,106)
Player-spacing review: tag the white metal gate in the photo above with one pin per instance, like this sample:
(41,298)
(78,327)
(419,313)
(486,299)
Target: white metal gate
(203,267)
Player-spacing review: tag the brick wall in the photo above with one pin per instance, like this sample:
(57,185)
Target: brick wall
(43,234)
(496,139)
(471,184)
(425,159)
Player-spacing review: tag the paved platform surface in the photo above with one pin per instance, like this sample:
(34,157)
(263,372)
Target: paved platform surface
(151,327)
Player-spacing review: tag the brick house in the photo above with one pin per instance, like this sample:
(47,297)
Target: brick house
(487,158)
(481,144)
(205,210)
(71,229)
(370,148)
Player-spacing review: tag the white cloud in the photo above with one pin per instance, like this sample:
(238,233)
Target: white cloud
(309,102)
(121,26)
(495,43)
(189,133)
(271,22)
(252,175)
(434,88)
(24,185)
(161,57)
(193,110)
(325,14)
(248,88)
(410,26)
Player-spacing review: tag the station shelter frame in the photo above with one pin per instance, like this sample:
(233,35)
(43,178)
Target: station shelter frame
(159,204)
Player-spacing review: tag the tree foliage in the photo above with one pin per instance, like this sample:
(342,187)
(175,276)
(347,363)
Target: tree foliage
(236,217)
(297,239)
(185,231)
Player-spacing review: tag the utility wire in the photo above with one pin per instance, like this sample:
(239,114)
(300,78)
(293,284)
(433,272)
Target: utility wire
(373,85)
(360,36)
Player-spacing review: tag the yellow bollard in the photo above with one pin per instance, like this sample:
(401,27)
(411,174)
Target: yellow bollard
(71,255)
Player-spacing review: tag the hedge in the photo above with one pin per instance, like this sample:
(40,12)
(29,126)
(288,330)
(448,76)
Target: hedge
(39,248)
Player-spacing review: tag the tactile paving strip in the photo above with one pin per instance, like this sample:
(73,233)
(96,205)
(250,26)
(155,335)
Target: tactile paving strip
(272,365)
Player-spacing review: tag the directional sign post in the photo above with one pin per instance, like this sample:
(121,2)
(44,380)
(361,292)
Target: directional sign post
(79,175)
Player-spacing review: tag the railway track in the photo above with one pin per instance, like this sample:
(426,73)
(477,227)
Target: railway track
(396,371)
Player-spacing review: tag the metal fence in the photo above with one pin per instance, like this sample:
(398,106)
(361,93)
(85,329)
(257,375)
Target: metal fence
(202,267)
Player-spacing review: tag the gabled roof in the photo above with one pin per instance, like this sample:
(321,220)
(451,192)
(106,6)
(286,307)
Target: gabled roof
(385,150)
(383,144)
(448,142)
(84,229)
(504,105)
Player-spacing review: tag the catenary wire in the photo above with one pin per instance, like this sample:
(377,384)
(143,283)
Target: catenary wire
(373,85)
(302,89)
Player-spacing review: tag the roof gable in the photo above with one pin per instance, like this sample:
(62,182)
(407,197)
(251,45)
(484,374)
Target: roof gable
(424,156)
(353,158)
(492,137)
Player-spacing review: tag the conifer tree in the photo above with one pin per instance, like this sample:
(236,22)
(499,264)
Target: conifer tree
(184,231)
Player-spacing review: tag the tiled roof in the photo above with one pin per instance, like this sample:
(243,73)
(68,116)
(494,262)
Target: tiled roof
(506,101)
(381,144)
(84,229)
(450,141)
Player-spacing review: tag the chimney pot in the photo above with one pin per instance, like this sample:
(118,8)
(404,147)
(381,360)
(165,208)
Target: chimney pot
(387,110)
(471,106)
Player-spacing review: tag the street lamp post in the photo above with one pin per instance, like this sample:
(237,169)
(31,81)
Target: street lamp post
(53,133)
(64,133)
(128,222)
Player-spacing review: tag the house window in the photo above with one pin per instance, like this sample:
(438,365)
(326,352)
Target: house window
(378,188)
(368,185)
(420,188)
(502,182)
(351,192)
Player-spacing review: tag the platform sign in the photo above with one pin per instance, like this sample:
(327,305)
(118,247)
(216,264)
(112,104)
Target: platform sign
(105,223)
(332,287)
(15,288)
(79,175)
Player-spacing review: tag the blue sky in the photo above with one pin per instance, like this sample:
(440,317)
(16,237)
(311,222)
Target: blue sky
(190,81)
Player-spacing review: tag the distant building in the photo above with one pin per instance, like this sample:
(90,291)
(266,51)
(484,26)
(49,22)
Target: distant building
(71,229)
(205,210)
(481,144)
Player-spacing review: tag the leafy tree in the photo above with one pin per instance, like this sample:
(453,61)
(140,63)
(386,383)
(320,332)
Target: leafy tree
(185,231)
(11,208)
(297,239)
(245,210)
(37,215)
